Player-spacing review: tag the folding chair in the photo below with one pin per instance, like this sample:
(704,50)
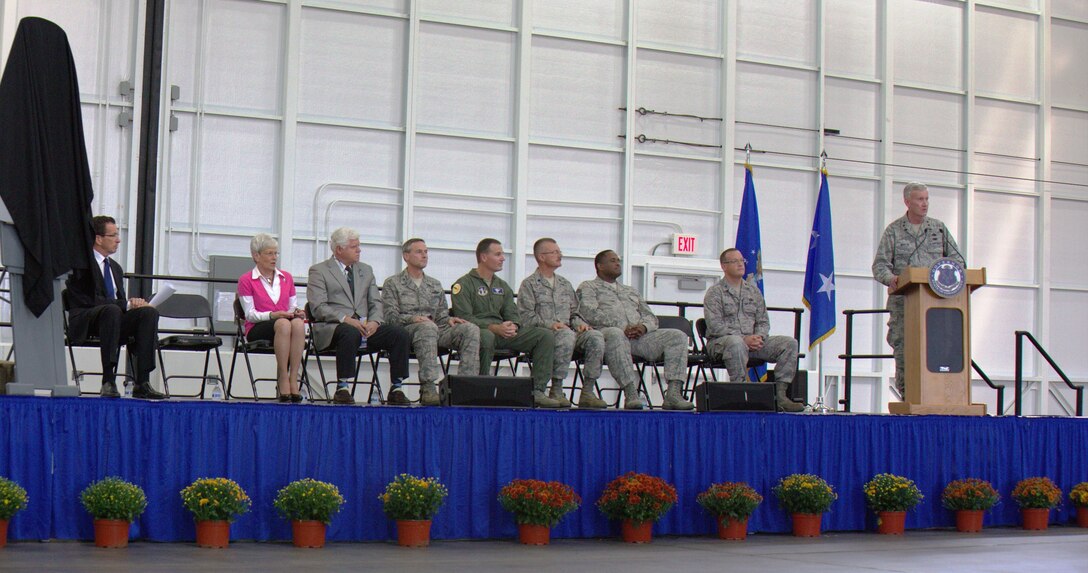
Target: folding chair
(712,364)
(196,308)
(89,342)
(259,347)
(695,357)
(375,359)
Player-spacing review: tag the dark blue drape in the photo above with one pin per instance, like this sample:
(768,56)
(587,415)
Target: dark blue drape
(54,447)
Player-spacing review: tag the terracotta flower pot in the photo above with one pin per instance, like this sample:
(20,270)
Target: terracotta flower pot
(3,533)
(529,534)
(413,532)
(891,522)
(1082,519)
(213,534)
(641,532)
(807,524)
(308,534)
(969,520)
(736,530)
(1035,519)
(111,533)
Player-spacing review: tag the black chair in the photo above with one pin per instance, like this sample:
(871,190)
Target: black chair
(375,359)
(201,339)
(258,347)
(711,364)
(89,342)
(696,358)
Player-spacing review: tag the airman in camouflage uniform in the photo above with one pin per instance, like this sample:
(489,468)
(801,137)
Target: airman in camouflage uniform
(913,240)
(604,302)
(417,302)
(737,328)
(487,301)
(546,299)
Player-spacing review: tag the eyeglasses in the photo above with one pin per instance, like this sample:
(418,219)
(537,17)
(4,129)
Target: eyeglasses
(737,262)
(112,235)
(555,252)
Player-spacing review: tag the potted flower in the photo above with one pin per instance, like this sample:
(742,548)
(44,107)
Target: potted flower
(412,502)
(215,503)
(115,504)
(638,500)
(13,499)
(310,505)
(806,497)
(537,506)
(970,498)
(732,503)
(891,497)
(1079,496)
(1036,496)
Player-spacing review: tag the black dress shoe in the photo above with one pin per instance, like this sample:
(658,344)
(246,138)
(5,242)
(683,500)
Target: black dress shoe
(283,398)
(144,391)
(342,396)
(397,398)
(296,398)
(109,390)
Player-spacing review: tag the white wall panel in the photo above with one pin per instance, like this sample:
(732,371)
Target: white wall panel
(853,211)
(1004,237)
(776,96)
(1068,330)
(786,203)
(1005,173)
(929,166)
(1075,9)
(850,292)
(997,312)
(928,118)
(1068,237)
(177,186)
(1068,68)
(852,44)
(928,42)
(1069,131)
(680,183)
(679,84)
(482,168)
(239,166)
(576,175)
(777,29)
(351,66)
(784,290)
(446,264)
(390,6)
(693,24)
(594,18)
(338,158)
(502,12)
(997,119)
(1071,180)
(80,21)
(463,230)
(776,146)
(577,90)
(1005,53)
(465,79)
(243,66)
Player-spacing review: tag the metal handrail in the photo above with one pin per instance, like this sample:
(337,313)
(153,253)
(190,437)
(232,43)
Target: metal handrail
(1019,388)
(1000,389)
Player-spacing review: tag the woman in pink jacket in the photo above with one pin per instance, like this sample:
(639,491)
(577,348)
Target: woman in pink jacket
(271,307)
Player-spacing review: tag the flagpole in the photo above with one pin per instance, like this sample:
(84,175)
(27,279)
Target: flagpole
(820,407)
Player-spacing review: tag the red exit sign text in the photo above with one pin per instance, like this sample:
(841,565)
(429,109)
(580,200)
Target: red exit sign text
(683,244)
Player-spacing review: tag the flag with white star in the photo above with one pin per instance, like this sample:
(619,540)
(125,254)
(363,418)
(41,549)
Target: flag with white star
(819,293)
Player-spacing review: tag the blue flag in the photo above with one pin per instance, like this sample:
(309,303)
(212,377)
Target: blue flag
(749,245)
(819,293)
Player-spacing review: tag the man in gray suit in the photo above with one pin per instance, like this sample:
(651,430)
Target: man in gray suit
(346,309)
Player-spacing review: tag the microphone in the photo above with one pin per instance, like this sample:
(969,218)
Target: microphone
(954,248)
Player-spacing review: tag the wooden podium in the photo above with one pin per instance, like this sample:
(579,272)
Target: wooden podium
(937,346)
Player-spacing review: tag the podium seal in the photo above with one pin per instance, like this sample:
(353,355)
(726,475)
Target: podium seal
(946,277)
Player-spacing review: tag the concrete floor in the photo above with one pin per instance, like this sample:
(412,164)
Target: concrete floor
(1059,550)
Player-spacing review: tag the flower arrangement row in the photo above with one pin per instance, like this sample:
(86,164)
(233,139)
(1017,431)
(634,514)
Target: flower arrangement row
(637,500)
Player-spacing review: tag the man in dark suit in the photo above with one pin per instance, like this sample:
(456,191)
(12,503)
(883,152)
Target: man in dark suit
(98,307)
(346,307)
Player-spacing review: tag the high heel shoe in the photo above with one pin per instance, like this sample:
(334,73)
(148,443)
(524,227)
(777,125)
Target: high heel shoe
(296,398)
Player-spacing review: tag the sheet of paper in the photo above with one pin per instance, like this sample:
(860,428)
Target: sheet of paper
(166,291)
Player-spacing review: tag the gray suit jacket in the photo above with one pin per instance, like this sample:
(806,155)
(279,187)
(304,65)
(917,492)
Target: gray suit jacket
(330,298)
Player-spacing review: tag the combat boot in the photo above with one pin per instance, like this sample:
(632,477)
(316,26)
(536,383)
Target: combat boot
(631,400)
(543,401)
(589,398)
(784,402)
(428,395)
(674,399)
(557,394)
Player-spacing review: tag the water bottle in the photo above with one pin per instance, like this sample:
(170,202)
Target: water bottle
(216,391)
(305,392)
(128,388)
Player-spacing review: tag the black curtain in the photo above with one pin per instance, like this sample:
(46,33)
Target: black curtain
(45,181)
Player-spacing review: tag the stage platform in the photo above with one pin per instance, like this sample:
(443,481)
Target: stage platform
(54,447)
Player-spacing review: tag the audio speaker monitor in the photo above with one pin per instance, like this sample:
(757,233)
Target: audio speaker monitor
(734,397)
(490,391)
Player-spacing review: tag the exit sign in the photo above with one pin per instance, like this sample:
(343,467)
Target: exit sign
(683,244)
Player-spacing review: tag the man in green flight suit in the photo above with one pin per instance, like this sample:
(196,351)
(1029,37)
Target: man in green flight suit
(487,301)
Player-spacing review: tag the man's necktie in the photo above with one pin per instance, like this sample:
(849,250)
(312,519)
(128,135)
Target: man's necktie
(351,281)
(107,275)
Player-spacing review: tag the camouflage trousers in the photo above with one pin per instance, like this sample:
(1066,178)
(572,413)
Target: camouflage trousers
(781,350)
(668,344)
(427,338)
(605,346)
(895,339)
(537,341)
